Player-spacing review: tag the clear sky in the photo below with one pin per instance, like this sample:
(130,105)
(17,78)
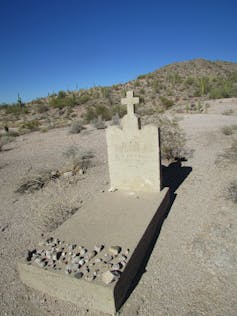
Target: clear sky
(49,45)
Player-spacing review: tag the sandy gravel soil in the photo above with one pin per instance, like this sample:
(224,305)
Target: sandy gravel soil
(193,267)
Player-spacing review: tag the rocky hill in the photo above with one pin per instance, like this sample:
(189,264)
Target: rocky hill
(182,86)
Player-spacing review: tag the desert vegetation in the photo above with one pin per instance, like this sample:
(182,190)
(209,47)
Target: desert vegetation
(4,140)
(183,86)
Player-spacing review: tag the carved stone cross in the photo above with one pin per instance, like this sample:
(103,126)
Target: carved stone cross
(130,101)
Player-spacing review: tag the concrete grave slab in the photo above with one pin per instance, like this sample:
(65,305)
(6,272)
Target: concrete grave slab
(117,218)
(125,222)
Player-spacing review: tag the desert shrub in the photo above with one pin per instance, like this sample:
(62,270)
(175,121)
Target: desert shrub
(230,154)
(30,125)
(104,112)
(64,100)
(231,191)
(83,98)
(92,113)
(121,110)
(62,94)
(99,123)
(142,77)
(105,92)
(157,86)
(227,130)
(228,112)
(172,139)
(4,140)
(223,87)
(174,78)
(60,103)
(166,102)
(189,81)
(89,115)
(41,108)
(44,129)
(79,157)
(202,86)
(136,83)
(115,120)
(11,133)
(76,127)
(220,92)
(142,111)
(142,91)
(16,109)
(35,182)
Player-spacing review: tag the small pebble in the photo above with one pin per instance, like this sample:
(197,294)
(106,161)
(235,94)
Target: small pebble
(78,275)
(112,189)
(89,277)
(83,251)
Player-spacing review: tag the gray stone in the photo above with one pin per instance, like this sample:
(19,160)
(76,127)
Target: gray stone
(90,255)
(108,277)
(78,275)
(108,258)
(83,251)
(30,254)
(116,266)
(81,171)
(71,247)
(90,277)
(115,250)
(99,248)
(81,262)
(68,174)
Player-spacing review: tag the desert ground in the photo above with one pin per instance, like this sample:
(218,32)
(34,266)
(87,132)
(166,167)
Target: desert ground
(193,267)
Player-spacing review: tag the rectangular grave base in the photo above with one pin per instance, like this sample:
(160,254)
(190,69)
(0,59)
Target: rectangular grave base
(117,218)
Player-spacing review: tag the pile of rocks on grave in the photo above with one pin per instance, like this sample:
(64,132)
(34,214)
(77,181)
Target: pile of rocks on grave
(99,263)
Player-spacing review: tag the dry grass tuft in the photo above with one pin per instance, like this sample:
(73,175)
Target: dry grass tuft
(229,130)
(76,127)
(230,154)
(4,140)
(79,158)
(36,182)
(228,112)
(231,192)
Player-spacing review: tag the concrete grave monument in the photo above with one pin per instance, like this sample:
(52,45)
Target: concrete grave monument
(93,258)
(134,152)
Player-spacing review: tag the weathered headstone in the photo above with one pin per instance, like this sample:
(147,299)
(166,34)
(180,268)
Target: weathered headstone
(134,152)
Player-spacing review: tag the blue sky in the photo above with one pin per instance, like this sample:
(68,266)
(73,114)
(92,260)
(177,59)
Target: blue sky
(49,45)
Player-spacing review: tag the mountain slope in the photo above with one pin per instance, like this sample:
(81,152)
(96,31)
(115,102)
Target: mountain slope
(181,84)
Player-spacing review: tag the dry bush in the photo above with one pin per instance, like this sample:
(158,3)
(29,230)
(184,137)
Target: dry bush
(172,139)
(36,182)
(228,112)
(115,120)
(229,130)
(230,154)
(4,140)
(32,125)
(99,123)
(76,127)
(231,192)
(79,157)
